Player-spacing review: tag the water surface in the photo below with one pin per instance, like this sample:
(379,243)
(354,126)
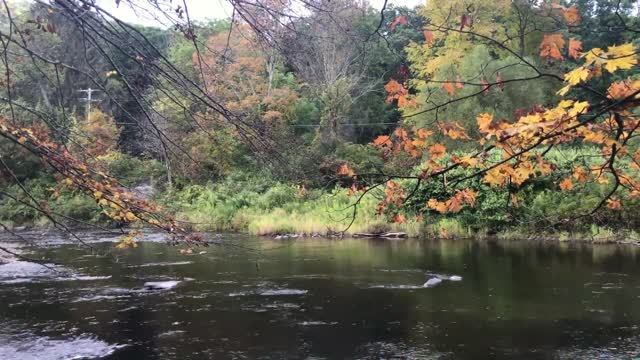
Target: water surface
(321,298)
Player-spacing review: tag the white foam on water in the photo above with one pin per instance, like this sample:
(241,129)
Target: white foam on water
(46,348)
(270,292)
(281,292)
(161,285)
(20,272)
(317,323)
(401,287)
(175,263)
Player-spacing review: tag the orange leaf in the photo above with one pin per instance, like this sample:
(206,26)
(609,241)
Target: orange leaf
(566,185)
(484,120)
(399,218)
(448,87)
(383,141)
(453,130)
(614,204)
(575,48)
(437,151)
(572,16)
(401,133)
(551,46)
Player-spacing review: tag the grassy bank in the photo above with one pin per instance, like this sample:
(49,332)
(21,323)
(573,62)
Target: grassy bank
(259,205)
(264,207)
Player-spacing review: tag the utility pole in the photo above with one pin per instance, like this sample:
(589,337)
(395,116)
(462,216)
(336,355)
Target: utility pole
(89,99)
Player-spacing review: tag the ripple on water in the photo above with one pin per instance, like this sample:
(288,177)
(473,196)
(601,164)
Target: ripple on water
(270,292)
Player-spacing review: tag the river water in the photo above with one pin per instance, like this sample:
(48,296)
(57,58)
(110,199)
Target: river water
(321,299)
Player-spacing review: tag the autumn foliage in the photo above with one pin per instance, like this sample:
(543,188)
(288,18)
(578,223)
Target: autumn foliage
(522,142)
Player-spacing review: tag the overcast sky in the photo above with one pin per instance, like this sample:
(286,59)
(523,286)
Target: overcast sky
(208,9)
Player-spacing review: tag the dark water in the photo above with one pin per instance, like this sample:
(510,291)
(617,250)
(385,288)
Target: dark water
(325,299)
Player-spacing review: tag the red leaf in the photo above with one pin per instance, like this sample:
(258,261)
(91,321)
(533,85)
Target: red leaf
(465,20)
(399,20)
(428,37)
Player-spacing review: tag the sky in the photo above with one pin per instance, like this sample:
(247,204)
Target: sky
(206,9)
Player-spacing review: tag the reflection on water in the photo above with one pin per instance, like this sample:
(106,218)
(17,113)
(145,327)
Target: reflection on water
(323,299)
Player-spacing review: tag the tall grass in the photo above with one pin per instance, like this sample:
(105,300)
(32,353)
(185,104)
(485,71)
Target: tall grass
(280,210)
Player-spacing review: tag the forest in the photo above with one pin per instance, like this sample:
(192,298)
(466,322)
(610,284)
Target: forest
(462,118)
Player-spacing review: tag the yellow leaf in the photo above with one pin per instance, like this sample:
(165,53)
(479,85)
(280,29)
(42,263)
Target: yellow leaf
(130,216)
(620,57)
(22,140)
(483,122)
(576,76)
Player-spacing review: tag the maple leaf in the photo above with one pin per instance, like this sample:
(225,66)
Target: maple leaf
(395,90)
(428,37)
(422,133)
(620,57)
(383,141)
(576,75)
(566,185)
(572,16)
(580,174)
(399,20)
(465,161)
(614,204)
(437,151)
(575,48)
(399,219)
(469,196)
(448,87)
(620,90)
(484,120)
(453,130)
(401,133)
(552,46)
(436,205)
(454,204)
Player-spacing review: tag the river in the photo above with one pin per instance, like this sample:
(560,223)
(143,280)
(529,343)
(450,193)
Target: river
(256,298)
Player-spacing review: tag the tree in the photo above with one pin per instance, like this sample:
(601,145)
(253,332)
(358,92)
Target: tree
(510,151)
